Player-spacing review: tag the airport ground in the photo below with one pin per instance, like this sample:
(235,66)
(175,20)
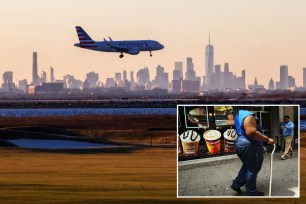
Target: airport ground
(139,173)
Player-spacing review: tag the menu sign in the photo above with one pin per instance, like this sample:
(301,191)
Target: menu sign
(224,115)
(196,116)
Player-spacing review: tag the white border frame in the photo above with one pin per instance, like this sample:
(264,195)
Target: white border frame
(243,197)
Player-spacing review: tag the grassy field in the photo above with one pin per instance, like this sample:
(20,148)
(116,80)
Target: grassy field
(31,176)
(140,174)
(143,175)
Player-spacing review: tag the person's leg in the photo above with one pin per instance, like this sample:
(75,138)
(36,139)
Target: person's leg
(288,146)
(253,166)
(283,143)
(240,180)
(251,156)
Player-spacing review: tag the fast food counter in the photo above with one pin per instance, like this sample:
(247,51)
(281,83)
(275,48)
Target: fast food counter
(208,131)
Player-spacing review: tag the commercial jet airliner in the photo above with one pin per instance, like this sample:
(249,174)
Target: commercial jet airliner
(132,47)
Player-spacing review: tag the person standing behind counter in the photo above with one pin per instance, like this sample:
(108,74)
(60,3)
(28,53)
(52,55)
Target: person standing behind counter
(287,128)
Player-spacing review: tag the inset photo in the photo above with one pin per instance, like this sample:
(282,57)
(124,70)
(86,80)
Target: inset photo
(238,151)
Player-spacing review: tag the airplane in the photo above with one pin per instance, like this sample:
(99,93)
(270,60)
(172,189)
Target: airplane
(132,47)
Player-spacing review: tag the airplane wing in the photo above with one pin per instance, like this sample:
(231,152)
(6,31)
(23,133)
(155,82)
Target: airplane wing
(119,48)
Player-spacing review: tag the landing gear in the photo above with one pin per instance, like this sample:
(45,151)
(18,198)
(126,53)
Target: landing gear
(121,55)
(151,54)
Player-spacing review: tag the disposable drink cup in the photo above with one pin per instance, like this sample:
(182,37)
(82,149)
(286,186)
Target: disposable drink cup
(230,137)
(190,148)
(212,139)
(190,142)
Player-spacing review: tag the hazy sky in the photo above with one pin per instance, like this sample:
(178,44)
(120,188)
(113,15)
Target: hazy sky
(257,36)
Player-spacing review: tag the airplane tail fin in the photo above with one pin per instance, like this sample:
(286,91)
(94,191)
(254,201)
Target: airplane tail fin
(83,36)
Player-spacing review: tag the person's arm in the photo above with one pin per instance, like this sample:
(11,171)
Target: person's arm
(290,125)
(282,125)
(251,131)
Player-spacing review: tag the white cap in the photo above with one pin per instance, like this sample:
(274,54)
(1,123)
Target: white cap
(190,136)
(230,134)
(212,135)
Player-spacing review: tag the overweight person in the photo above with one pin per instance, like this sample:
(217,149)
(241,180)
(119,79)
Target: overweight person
(249,148)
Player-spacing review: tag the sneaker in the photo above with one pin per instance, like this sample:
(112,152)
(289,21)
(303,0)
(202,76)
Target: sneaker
(283,157)
(238,190)
(291,154)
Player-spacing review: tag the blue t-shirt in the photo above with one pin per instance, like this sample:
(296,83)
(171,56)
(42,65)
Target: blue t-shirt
(239,119)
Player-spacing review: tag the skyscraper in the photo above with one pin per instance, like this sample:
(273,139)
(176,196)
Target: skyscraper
(217,83)
(226,75)
(35,77)
(8,84)
(118,77)
(110,82)
(72,83)
(190,73)
(143,76)
(178,66)
(43,77)
(283,77)
(243,79)
(209,63)
(92,79)
(161,78)
(124,75)
(132,76)
(291,82)
(7,77)
(22,84)
(176,75)
(132,81)
(52,79)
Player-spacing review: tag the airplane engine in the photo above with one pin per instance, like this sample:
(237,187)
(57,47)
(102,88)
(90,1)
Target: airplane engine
(134,52)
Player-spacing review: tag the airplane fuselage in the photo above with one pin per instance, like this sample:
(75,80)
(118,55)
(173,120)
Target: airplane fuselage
(132,47)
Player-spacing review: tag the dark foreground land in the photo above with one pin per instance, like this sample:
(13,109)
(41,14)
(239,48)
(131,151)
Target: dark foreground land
(95,122)
(142,172)
(142,176)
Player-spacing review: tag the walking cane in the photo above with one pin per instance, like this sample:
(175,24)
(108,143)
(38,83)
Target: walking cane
(271,168)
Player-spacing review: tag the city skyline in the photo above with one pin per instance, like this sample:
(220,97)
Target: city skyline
(255,36)
(222,79)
